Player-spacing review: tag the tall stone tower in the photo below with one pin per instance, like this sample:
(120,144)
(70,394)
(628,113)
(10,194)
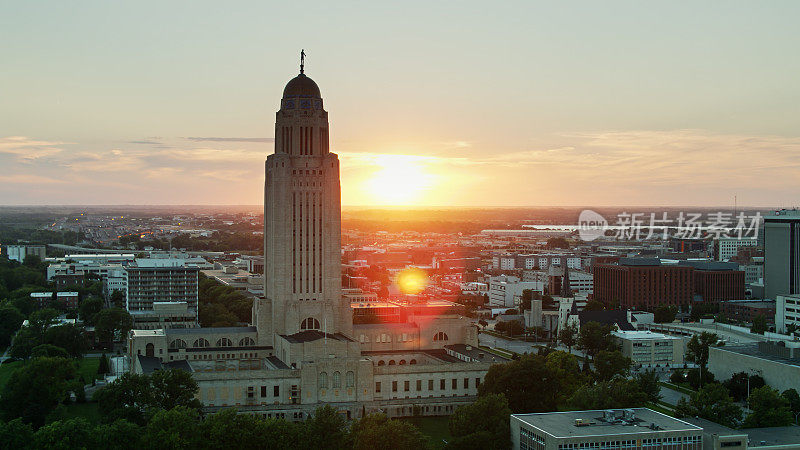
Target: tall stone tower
(302,223)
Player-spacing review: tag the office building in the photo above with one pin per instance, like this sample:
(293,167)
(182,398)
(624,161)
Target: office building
(603,429)
(646,348)
(728,247)
(782,253)
(149,282)
(19,252)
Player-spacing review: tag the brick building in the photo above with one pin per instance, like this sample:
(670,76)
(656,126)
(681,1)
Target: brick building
(647,282)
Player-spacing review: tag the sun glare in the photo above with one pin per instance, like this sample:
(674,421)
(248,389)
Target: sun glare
(412,281)
(400,180)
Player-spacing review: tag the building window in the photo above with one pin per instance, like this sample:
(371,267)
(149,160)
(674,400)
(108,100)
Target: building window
(419,385)
(200,343)
(178,343)
(394,386)
(350,379)
(247,342)
(309,323)
(276,391)
(407,385)
(377,386)
(150,350)
(454,383)
(381,363)
(430,385)
(441,384)
(323,380)
(413,361)
(224,342)
(466,383)
(391,362)
(263,391)
(440,336)
(337,380)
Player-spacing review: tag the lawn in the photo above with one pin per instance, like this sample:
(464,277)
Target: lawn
(6,369)
(434,428)
(87,368)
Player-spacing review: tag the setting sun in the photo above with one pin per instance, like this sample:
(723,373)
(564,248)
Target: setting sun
(400,180)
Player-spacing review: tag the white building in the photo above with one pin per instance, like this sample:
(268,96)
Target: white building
(648,349)
(505,291)
(152,281)
(19,252)
(728,247)
(787,311)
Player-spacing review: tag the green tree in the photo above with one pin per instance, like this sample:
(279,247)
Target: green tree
(595,337)
(16,435)
(177,428)
(759,324)
(739,384)
(117,299)
(711,402)
(791,396)
(49,350)
(67,434)
(528,384)
(569,336)
(378,432)
(616,393)
(486,416)
(119,435)
(69,337)
(173,388)
(103,368)
(697,350)
(112,322)
(767,409)
(10,321)
(128,397)
(89,307)
(35,389)
(664,314)
(326,429)
(693,377)
(648,383)
(609,364)
(594,305)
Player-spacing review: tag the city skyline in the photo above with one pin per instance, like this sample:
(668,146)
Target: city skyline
(661,105)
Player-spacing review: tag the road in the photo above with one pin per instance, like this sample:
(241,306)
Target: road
(672,397)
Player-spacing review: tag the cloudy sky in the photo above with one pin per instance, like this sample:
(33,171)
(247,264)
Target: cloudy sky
(431,103)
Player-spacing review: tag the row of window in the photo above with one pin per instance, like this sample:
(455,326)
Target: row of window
(350,379)
(442,385)
(404,337)
(246,341)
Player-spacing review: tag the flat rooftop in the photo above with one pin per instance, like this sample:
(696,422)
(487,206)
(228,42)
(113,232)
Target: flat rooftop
(562,424)
(752,350)
(642,334)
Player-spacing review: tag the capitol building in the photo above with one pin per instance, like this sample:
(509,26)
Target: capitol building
(308,343)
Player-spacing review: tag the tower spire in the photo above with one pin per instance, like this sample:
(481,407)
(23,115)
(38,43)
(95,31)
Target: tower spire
(302,59)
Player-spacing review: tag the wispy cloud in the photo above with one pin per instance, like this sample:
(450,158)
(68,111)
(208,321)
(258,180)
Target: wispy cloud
(26,149)
(231,139)
(28,179)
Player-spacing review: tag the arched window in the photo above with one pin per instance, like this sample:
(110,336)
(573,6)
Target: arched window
(391,362)
(413,361)
(177,343)
(202,342)
(309,324)
(150,350)
(361,338)
(380,363)
(337,380)
(350,378)
(440,336)
(323,380)
(246,341)
(224,342)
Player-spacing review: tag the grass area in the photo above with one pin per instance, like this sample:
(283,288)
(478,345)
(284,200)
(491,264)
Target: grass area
(87,368)
(6,369)
(662,408)
(498,352)
(675,387)
(434,428)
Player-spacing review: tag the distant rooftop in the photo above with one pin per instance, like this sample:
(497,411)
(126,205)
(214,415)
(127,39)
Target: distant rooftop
(593,423)
(642,334)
